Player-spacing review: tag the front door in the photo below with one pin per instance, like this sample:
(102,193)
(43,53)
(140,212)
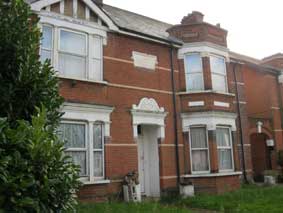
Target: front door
(149,161)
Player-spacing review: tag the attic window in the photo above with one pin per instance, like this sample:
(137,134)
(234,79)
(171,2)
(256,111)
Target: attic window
(145,61)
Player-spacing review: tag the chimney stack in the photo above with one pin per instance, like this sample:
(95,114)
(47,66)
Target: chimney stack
(194,17)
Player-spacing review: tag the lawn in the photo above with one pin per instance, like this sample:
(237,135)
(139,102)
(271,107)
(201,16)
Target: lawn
(248,199)
(129,208)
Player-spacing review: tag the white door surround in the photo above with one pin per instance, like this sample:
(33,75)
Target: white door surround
(148,112)
(148,161)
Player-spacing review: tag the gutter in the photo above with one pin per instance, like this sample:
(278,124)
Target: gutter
(175,125)
(240,123)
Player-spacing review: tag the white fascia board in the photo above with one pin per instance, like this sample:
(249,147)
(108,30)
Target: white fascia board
(205,48)
(38,5)
(75,24)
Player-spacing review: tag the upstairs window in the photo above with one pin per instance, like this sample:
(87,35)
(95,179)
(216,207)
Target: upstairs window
(218,73)
(46,49)
(194,72)
(75,55)
(72,54)
(199,150)
(224,149)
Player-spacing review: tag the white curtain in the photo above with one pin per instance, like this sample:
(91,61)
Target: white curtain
(74,136)
(200,160)
(194,72)
(198,137)
(199,149)
(224,148)
(72,54)
(46,43)
(98,154)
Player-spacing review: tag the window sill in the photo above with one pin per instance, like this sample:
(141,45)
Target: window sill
(221,174)
(85,80)
(205,91)
(97,182)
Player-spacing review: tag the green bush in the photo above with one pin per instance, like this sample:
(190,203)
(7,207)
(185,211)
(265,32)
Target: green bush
(35,176)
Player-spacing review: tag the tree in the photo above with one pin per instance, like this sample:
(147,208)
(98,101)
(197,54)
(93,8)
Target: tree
(35,175)
(25,82)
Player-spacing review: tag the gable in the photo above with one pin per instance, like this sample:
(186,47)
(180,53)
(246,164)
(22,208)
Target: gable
(77,9)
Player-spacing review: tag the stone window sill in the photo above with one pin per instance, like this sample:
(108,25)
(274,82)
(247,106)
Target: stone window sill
(221,174)
(206,91)
(85,80)
(97,182)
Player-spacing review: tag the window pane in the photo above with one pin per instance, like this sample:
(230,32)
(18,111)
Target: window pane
(200,160)
(219,83)
(193,63)
(198,137)
(73,134)
(223,137)
(194,81)
(97,137)
(218,65)
(47,37)
(72,42)
(98,163)
(225,159)
(79,158)
(72,66)
(45,54)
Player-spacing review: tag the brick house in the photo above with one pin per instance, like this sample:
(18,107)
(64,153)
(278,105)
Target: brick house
(171,102)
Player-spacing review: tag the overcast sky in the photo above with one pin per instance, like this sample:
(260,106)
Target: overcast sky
(255,27)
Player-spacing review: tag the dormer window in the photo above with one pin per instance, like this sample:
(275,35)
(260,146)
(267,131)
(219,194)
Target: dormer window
(194,72)
(218,73)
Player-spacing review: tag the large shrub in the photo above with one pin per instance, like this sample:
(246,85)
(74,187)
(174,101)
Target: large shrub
(34,174)
(24,81)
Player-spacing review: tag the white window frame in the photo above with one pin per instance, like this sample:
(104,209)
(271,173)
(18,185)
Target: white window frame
(102,150)
(219,74)
(226,148)
(199,149)
(52,42)
(86,56)
(90,178)
(94,37)
(187,71)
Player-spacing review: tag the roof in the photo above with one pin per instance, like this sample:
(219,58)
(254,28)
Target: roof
(138,23)
(272,57)
(242,57)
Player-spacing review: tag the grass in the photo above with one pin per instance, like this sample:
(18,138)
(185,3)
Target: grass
(249,198)
(143,207)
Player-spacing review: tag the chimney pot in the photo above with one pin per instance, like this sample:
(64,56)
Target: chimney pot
(194,17)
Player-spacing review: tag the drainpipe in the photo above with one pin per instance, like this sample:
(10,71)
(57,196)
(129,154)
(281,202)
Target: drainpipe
(280,99)
(240,125)
(175,116)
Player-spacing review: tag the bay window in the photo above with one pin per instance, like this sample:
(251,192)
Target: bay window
(224,149)
(199,150)
(74,54)
(218,73)
(84,143)
(194,72)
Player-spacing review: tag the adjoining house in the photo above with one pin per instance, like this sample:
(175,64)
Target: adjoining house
(171,102)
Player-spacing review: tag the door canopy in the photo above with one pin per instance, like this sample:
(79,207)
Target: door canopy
(148,112)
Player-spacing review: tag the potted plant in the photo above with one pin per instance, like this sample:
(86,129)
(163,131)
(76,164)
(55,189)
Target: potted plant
(186,188)
(270,177)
